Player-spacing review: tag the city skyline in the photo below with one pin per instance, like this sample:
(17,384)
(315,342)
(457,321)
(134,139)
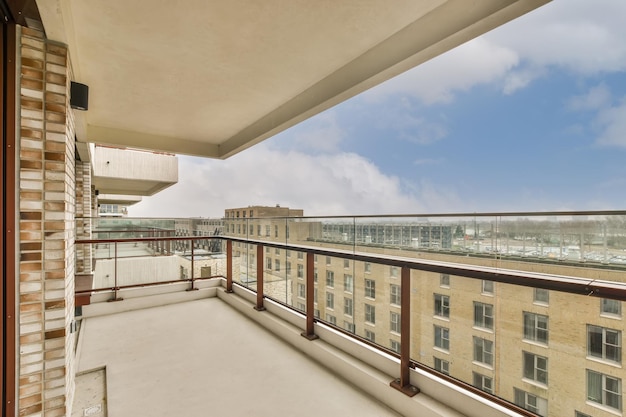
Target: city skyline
(529,117)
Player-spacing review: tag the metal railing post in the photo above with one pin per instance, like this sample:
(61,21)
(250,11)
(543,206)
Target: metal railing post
(192,268)
(229,266)
(115,286)
(259,278)
(403,383)
(309,333)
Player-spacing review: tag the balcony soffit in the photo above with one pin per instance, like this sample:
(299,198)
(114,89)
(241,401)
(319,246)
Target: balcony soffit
(212,78)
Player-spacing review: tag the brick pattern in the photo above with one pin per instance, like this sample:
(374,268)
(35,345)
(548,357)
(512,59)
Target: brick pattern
(84,204)
(46,267)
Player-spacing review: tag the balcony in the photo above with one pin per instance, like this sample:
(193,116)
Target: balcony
(131,172)
(427,315)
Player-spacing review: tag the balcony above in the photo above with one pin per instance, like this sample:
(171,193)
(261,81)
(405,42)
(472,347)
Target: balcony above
(119,199)
(212,78)
(133,173)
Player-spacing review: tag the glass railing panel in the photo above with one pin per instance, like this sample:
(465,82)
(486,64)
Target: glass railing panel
(550,352)
(245,264)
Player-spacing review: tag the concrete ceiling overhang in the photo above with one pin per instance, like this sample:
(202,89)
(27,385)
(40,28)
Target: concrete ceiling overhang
(212,78)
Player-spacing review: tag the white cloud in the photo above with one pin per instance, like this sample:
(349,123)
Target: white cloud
(322,134)
(612,122)
(596,98)
(343,183)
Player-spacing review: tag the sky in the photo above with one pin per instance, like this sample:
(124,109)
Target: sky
(528,117)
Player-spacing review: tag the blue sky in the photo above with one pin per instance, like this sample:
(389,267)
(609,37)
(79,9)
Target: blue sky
(529,117)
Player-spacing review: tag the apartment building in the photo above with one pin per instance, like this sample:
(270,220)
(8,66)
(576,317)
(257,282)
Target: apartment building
(507,340)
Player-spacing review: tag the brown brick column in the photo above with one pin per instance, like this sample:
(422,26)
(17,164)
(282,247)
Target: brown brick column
(46,226)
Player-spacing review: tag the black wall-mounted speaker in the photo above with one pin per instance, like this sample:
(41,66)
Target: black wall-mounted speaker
(79,96)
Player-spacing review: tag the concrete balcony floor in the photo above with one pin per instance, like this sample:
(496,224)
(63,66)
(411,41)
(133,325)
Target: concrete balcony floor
(203,357)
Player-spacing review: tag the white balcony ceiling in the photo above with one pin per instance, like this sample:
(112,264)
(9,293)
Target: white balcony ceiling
(212,78)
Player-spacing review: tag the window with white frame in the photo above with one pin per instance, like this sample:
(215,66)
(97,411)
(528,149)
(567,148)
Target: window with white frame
(483,315)
(370,288)
(277,251)
(604,389)
(315,295)
(331,319)
(268,263)
(348,283)
(604,343)
(487,287)
(330,279)
(394,322)
(482,382)
(368,267)
(346,263)
(483,350)
(328,260)
(267,230)
(330,300)
(442,305)
(370,335)
(348,306)
(370,314)
(300,255)
(536,327)
(442,337)
(300,271)
(315,274)
(394,294)
(444,280)
(394,345)
(349,326)
(301,307)
(611,307)
(288,267)
(393,272)
(316,313)
(442,365)
(258,230)
(301,290)
(531,402)
(535,367)
(541,296)
(276,265)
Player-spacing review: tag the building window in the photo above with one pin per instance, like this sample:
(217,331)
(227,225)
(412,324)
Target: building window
(442,337)
(301,290)
(348,283)
(275,230)
(611,307)
(531,402)
(288,253)
(394,272)
(536,327)
(442,366)
(316,313)
(541,296)
(315,295)
(394,294)
(277,251)
(349,326)
(604,343)
(482,382)
(604,389)
(444,280)
(251,213)
(394,322)
(370,288)
(348,306)
(300,255)
(368,267)
(268,262)
(277,265)
(251,230)
(346,263)
(315,274)
(330,279)
(487,287)
(331,319)
(536,367)
(483,350)
(442,305)
(288,267)
(483,315)
(301,307)
(328,260)
(330,300)
(300,271)
(267,249)
(395,345)
(258,230)
(267,230)
(370,314)
(370,335)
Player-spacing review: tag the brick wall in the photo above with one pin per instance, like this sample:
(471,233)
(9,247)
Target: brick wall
(46,242)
